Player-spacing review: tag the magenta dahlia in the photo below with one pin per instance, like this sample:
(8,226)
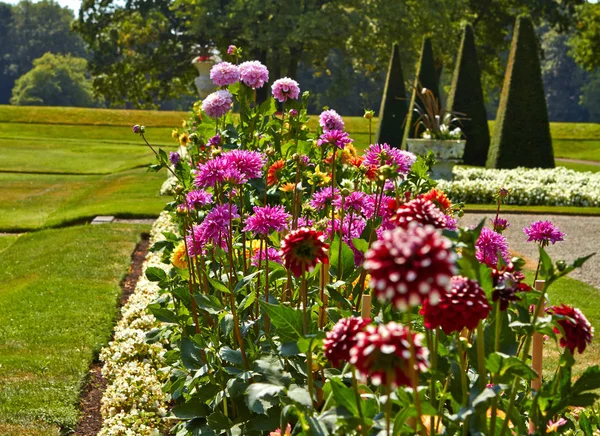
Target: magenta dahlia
(383,353)
(284,89)
(543,232)
(271,254)
(210,172)
(409,266)
(224,73)
(214,229)
(302,249)
(267,219)
(249,163)
(198,198)
(217,104)
(342,337)
(489,246)
(462,307)
(423,212)
(331,120)
(337,138)
(382,154)
(253,74)
(578,332)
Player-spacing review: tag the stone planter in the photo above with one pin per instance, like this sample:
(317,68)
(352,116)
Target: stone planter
(203,83)
(447,154)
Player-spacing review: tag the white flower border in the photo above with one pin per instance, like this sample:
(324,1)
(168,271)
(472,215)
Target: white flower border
(527,186)
(133,403)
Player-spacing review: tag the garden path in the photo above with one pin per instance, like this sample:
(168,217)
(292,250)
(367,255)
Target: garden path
(582,238)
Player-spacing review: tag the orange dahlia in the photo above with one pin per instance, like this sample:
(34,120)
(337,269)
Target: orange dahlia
(273,172)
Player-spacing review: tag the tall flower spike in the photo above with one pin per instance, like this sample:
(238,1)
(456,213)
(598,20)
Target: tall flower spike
(383,353)
(410,265)
(342,337)
(462,307)
(302,249)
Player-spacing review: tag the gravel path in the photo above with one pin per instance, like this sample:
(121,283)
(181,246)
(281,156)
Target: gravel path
(582,238)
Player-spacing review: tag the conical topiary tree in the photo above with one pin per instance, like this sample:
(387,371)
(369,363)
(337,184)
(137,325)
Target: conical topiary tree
(522,131)
(393,105)
(466,97)
(425,77)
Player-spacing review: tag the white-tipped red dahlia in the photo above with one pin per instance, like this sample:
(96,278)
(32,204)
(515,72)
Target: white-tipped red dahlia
(463,306)
(342,337)
(421,211)
(302,249)
(383,353)
(578,332)
(409,266)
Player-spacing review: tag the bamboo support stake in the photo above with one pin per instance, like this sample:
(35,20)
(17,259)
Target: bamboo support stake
(537,351)
(365,308)
(323,279)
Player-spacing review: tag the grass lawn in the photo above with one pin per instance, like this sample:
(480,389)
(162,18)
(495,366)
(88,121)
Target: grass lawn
(577,148)
(510,208)
(57,305)
(32,201)
(576,166)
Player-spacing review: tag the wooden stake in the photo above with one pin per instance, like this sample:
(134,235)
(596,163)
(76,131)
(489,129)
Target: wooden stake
(365,309)
(537,351)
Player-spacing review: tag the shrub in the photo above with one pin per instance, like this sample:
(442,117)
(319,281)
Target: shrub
(522,132)
(466,97)
(55,80)
(393,105)
(426,77)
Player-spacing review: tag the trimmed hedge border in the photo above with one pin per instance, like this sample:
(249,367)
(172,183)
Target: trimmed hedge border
(134,402)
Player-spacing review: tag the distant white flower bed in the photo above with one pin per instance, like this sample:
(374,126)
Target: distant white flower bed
(134,403)
(545,187)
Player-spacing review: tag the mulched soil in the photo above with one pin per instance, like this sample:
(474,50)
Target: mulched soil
(90,421)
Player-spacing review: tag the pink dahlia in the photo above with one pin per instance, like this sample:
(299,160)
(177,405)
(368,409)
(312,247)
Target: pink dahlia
(423,212)
(342,337)
(489,245)
(543,232)
(214,229)
(382,154)
(249,163)
(409,266)
(356,203)
(217,104)
(336,138)
(500,224)
(331,120)
(210,172)
(302,249)
(322,198)
(462,307)
(267,219)
(285,88)
(578,332)
(253,74)
(224,73)
(272,254)
(198,198)
(383,353)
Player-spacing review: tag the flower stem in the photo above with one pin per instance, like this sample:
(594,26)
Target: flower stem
(511,403)
(414,375)
(481,366)
(363,425)
(463,378)
(333,193)
(304,292)
(388,405)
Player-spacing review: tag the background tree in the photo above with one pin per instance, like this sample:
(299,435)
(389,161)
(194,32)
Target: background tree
(55,80)
(28,31)
(590,97)
(585,43)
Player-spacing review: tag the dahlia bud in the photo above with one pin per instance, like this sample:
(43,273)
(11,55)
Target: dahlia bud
(369,114)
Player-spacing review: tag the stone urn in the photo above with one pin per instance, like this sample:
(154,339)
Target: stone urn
(203,83)
(447,154)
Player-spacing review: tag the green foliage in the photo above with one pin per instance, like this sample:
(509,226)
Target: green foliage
(522,132)
(57,307)
(466,99)
(590,96)
(425,77)
(55,80)
(392,114)
(585,44)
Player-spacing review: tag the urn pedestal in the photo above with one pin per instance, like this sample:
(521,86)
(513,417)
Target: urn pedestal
(447,154)
(203,83)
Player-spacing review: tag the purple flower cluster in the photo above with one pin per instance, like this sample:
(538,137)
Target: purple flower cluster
(500,224)
(271,254)
(236,167)
(214,229)
(337,138)
(217,104)
(322,198)
(267,219)
(174,158)
(285,88)
(543,232)
(331,120)
(224,73)
(214,141)
(356,203)
(253,74)
(383,154)
(489,245)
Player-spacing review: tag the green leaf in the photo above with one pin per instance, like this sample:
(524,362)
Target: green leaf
(343,395)
(218,286)
(155,274)
(232,356)
(509,366)
(286,320)
(217,421)
(245,282)
(301,396)
(247,301)
(341,267)
(164,315)
(190,410)
(271,370)
(547,269)
(190,354)
(260,397)
(208,303)
(360,244)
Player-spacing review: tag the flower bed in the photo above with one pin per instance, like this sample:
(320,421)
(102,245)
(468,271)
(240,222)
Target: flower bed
(134,402)
(544,187)
(312,290)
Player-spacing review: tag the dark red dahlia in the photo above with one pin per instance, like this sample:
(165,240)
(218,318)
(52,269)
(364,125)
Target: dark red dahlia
(463,306)
(421,211)
(507,283)
(342,338)
(383,353)
(578,332)
(409,266)
(302,249)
